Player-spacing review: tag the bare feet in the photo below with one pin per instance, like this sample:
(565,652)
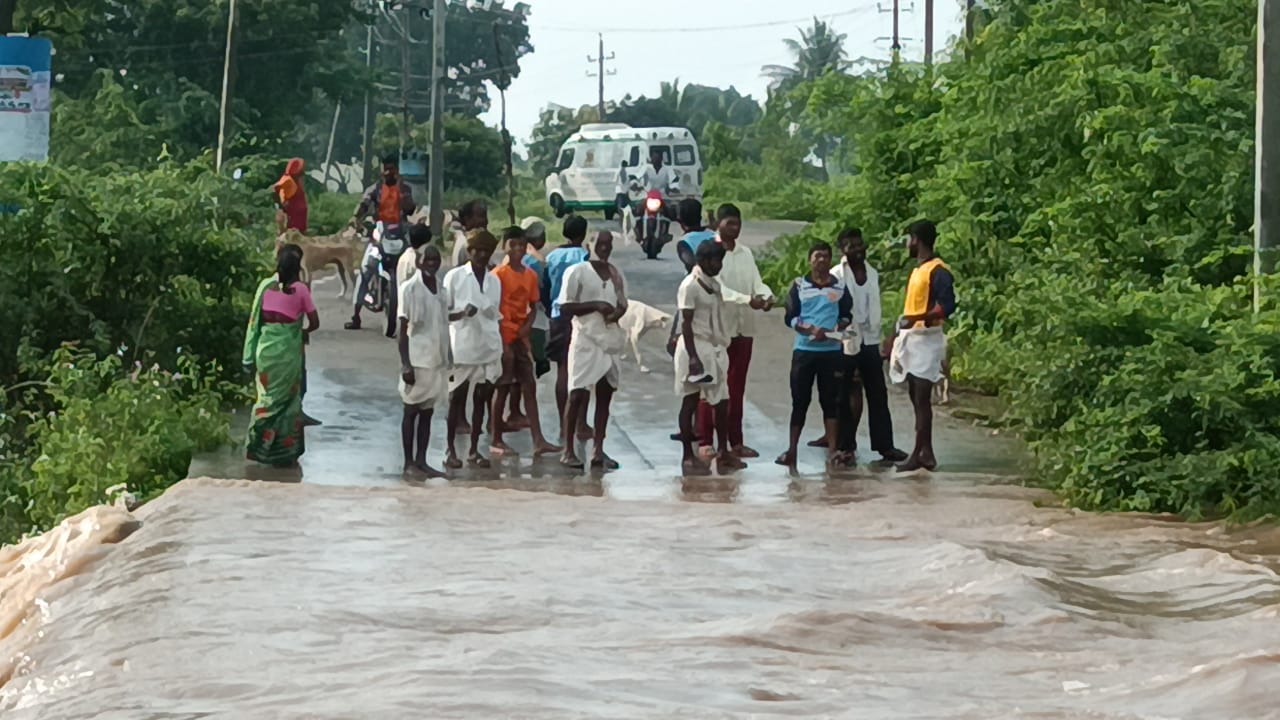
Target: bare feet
(452,462)
(818,442)
(604,462)
(745,452)
(476,460)
(728,462)
(841,459)
(423,468)
(501,449)
(706,452)
(786,459)
(516,423)
(570,460)
(695,467)
(915,462)
(545,448)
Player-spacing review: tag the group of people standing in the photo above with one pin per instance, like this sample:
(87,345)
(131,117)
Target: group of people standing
(489,328)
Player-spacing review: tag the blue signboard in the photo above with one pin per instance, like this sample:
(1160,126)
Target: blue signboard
(25,81)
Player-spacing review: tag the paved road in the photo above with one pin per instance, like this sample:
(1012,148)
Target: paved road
(353,389)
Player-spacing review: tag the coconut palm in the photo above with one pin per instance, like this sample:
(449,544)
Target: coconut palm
(818,51)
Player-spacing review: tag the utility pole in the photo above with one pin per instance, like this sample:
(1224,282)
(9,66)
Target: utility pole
(405,81)
(599,60)
(228,75)
(333,133)
(436,170)
(366,168)
(1266,198)
(928,32)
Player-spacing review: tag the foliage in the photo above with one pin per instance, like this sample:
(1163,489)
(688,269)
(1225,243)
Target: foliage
(153,267)
(472,150)
(107,429)
(819,50)
(1091,169)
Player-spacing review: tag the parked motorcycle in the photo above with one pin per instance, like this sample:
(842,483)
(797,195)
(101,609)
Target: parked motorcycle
(387,242)
(653,228)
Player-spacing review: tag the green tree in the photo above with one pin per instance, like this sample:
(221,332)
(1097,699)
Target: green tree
(818,51)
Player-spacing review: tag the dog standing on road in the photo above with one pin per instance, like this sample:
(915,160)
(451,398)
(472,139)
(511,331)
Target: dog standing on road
(344,249)
(636,321)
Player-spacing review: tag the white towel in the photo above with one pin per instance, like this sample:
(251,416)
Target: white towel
(919,352)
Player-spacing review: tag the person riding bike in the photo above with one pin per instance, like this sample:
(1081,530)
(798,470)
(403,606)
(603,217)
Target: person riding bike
(390,202)
(660,177)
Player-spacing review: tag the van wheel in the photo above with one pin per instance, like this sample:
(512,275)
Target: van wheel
(610,213)
(557,206)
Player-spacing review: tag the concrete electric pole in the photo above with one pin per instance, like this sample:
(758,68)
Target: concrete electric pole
(228,77)
(436,169)
(599,60)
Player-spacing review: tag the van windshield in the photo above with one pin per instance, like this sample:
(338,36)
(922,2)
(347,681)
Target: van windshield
(685,155)
(664,149)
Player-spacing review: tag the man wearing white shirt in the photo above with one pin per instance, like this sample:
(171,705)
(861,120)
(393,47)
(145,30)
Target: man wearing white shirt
(864,368)
(657,176)
(407,268)
(474,297)
(744,294)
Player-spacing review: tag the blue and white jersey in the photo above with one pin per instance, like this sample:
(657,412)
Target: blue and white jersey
(825,306)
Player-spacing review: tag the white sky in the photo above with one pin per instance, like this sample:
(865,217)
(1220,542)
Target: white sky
(563,33)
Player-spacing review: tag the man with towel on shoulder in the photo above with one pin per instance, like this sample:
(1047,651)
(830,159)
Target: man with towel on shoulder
(921,347)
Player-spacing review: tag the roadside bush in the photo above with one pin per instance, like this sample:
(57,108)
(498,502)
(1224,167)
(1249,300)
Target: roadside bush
(1090,166)
(100,272)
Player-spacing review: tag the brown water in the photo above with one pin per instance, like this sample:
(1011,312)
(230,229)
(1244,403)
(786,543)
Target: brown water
(866,598)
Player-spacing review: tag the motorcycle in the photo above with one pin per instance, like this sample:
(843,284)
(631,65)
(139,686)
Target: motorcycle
(387,242)
(653,228)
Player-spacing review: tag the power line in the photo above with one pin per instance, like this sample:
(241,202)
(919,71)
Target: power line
(721,28)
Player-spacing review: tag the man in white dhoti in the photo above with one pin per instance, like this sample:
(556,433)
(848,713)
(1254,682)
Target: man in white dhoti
(594,295)
(702,358)
(921,347)
(424,357)
(474,297)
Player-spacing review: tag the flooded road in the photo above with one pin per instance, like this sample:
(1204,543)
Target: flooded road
(529,592)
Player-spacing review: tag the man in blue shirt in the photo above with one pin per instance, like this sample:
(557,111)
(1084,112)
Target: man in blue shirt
(558,336)
(819,308)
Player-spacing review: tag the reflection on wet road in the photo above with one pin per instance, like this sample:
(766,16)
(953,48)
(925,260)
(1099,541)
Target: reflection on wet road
(532,592)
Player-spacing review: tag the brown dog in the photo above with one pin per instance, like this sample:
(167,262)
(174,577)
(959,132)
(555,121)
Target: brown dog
(344,249)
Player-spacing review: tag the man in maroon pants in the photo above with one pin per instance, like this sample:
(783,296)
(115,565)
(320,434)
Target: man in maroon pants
(744,294)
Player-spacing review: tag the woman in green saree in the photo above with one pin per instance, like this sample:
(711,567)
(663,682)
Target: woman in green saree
(273,347)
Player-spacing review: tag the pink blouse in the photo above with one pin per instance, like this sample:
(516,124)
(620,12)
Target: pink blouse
(292,305)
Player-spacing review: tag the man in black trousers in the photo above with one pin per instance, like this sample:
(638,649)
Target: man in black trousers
(864,368)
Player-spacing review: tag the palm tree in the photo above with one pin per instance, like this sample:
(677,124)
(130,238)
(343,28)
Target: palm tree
(818,51)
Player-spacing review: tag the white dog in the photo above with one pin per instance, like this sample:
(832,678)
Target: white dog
(636,321)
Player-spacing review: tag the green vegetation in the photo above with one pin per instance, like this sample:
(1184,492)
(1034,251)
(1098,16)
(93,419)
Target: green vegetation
(123,297)
(1090,167)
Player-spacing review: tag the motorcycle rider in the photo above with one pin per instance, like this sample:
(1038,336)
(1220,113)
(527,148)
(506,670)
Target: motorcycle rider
(390,202)
(662,178)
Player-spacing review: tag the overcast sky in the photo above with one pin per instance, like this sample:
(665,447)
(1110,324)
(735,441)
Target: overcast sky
(563,33)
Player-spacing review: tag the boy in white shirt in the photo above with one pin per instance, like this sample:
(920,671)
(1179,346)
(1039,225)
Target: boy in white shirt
(424,357)
(702,358)
(474,298)
(407,267)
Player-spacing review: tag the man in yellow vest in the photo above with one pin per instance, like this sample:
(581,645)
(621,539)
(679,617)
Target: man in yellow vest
(921,346)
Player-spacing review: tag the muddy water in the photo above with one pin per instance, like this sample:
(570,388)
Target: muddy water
(903,600)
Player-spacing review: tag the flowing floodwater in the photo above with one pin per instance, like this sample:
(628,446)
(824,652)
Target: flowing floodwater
(865,598)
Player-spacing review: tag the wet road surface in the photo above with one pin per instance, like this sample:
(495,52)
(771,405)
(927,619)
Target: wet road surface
(535,593)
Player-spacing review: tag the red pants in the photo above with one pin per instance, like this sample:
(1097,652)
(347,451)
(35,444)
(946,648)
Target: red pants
(739,361)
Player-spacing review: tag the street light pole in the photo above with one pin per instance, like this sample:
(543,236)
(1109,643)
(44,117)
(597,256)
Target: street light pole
(228,69)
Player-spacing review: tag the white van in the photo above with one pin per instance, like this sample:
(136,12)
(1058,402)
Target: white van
(586,174)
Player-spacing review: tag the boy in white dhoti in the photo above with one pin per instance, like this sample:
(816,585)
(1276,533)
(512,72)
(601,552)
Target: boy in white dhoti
(593,294)
(424,357)
(702,358)
(474,298)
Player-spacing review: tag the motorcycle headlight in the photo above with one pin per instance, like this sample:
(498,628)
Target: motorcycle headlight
(653,205)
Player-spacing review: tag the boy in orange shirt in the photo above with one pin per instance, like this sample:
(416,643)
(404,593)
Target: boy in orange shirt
(519,309)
